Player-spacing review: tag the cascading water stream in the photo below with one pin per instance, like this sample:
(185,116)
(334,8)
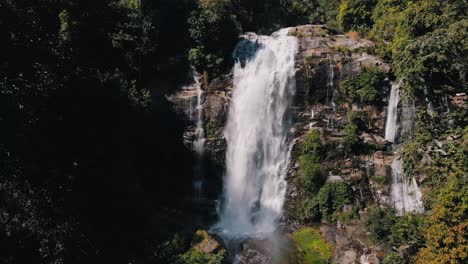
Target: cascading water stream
(257,135)
(391,128)
(405,193)
(198,143)
(330,82)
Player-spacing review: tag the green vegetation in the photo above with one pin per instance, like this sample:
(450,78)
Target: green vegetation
(179,251)
(91,159)
(312,247)
(394,258)
(407,231)
(446,228)
(303,12)
(351,137)
(318,200)
(214,31)
(332,197)
(355,14)
(379,222)
(385,227)
(367,87)
(310,175)
(381,180)
(196,257)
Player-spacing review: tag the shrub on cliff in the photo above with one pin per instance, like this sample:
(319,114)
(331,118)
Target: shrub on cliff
(379,222)
(355,14)
(214,31)
(367,87)
(310,174)
(332,197)
(394,258)
(351,137)
(446,229)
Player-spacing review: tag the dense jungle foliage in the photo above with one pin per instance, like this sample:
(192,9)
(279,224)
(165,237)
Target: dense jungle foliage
(93,169)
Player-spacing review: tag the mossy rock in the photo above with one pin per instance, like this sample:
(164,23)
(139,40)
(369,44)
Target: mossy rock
(313,249)
(204,243)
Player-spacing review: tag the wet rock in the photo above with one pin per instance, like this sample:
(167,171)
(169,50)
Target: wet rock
(460,100)
(215,104)
(407,250)
(250,256)
(349,256)
(369,258)
(276,249)
(374,140)
(334,178)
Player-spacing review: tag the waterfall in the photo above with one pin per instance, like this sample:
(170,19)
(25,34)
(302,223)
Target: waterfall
(330,84)
(199,142)
(257,135)
(430,108)
(391,128)
(405,193)
(198,139)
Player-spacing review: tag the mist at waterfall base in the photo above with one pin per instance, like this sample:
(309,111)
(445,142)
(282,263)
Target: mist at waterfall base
(258,137)
(405,193)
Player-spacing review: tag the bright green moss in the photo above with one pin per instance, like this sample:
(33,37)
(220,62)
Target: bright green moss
(312,247)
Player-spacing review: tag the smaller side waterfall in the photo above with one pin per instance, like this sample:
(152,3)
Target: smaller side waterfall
(199,142)
(330,82)
(430,107)
(391,127)
(405,193)
(194,111)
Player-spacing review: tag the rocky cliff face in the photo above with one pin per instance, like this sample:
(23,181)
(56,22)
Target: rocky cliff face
(215,104)
(324,60)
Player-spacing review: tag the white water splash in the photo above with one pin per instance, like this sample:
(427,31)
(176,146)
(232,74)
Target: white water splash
(258,142)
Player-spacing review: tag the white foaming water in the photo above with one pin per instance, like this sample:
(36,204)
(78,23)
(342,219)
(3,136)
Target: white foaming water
(406,195)
(258,142)
(391,127)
